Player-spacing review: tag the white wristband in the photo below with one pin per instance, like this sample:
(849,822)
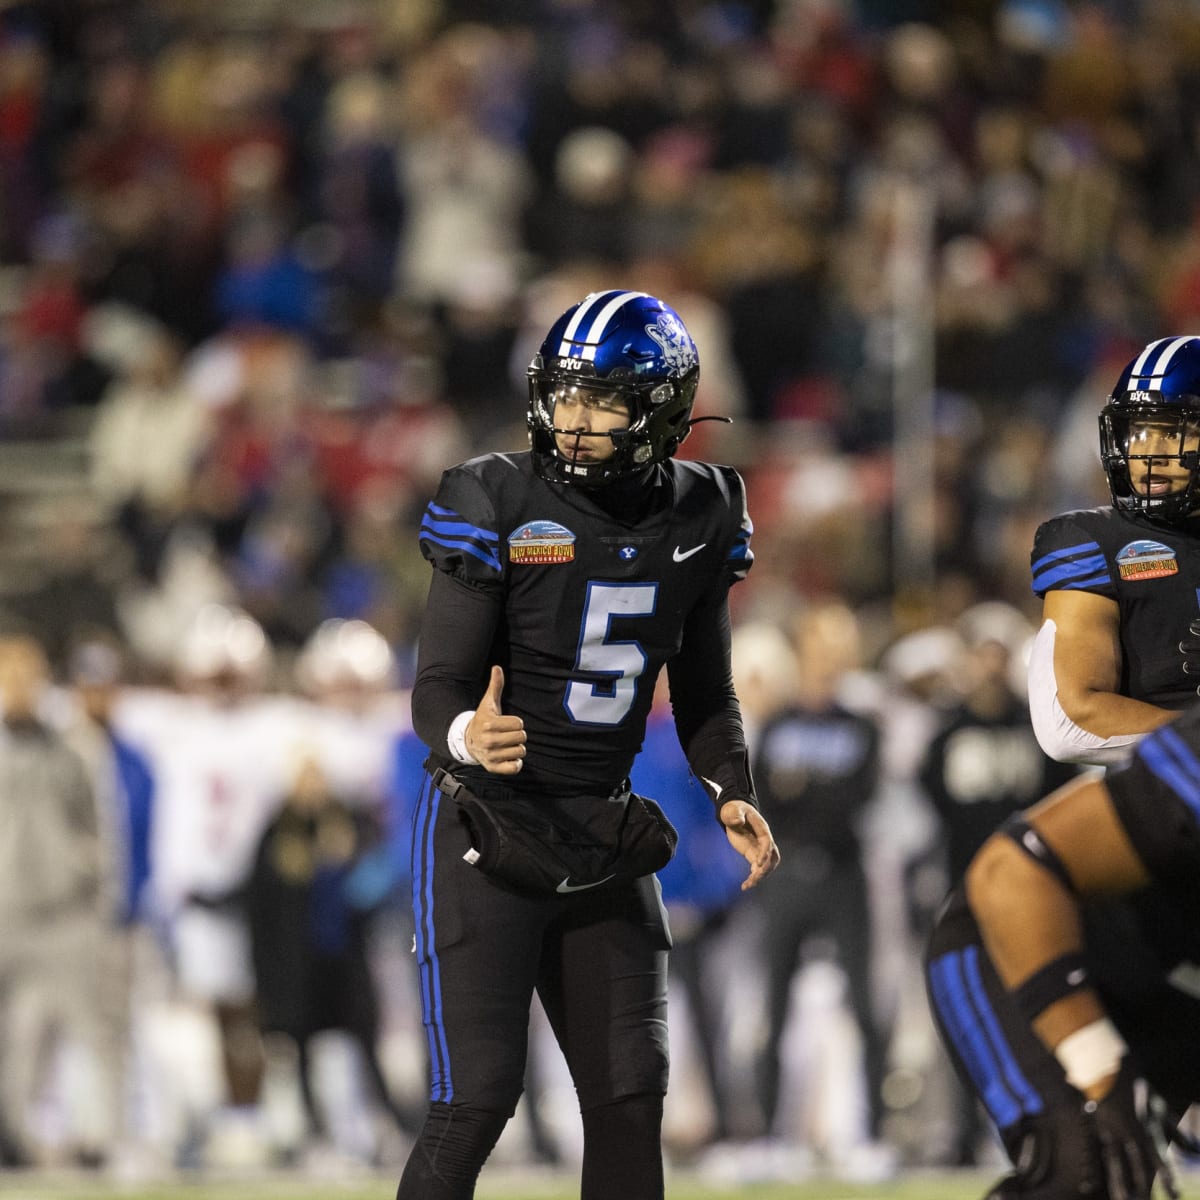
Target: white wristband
(456,738)
(1091,1053)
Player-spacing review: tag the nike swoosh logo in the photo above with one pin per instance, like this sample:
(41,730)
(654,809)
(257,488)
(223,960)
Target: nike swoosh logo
(568,886)
(679,555)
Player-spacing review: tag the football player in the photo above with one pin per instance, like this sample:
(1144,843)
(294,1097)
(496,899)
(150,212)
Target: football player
(565,578)
(220,749)
(1118,652)
(1064,976)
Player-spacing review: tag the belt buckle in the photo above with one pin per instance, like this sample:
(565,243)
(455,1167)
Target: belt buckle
(446,783)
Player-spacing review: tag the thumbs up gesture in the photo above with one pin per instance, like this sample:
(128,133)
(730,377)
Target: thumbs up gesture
(496,741)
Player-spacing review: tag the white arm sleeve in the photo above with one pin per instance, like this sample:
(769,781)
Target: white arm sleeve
(1056,733)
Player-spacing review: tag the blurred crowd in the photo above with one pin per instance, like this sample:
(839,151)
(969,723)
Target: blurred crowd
(274,267)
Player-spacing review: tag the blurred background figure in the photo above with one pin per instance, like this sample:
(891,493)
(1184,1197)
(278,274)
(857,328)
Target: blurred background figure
(816,764)
(311,893)
(58,953)
(349,720)
(220,748)
(124,787)
(983,765)
(700,888)
(346,672)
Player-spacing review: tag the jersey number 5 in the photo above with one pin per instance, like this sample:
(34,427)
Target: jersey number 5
(608,701)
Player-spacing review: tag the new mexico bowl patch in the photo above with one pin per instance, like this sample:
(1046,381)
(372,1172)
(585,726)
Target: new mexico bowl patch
(1147,560)
(541,543)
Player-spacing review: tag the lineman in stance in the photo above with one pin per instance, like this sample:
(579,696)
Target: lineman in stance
(1061,976)
(1064,976)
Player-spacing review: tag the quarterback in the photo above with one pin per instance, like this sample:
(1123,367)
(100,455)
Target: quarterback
(564,579)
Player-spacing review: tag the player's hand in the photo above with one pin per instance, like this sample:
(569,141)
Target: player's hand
(750,835)
(495,741)
(1131,1126)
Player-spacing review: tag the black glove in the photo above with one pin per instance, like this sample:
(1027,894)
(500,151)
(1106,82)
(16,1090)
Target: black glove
(1110,1149)
(1131,1127)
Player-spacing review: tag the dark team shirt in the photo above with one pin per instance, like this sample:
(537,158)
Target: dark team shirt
(979,770)
(1151,571)
(816,771)
(582,610)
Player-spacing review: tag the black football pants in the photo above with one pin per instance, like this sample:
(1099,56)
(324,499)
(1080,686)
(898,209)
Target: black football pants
(597,960)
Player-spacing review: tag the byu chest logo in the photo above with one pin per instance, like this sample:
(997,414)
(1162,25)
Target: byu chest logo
(541,543)
(1145,559)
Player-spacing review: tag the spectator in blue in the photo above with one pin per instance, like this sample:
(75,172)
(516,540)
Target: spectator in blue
(123,775)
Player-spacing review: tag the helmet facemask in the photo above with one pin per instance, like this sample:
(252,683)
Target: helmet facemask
(1151,454)
(624,344)
(659,413)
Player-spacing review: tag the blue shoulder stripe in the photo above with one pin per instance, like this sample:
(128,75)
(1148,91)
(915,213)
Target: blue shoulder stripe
(449,543)
(1074,567)
(446,528)
(436,510)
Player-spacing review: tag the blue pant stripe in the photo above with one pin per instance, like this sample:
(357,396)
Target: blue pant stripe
(954,1007)
(428,967)
(1030,1101)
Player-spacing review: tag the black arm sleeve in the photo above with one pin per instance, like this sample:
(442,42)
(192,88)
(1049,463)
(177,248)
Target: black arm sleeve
(453,656)
(708,717)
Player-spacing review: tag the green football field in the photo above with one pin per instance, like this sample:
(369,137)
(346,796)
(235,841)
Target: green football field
(502,1186)
(924,1187)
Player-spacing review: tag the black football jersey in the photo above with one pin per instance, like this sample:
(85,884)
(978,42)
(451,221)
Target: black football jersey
(593,607)
(1153,573)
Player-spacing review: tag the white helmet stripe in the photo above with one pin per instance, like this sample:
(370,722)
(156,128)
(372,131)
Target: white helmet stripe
(585,306)
(1139,366)
(1171,346)
(599,325)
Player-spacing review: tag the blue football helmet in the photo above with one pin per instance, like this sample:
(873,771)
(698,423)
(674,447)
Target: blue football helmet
(1152,417)
(623,343)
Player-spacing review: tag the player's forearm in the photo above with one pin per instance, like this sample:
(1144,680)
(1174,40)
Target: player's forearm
(716,752)
(1111,715)
(453,659)
(708,718)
